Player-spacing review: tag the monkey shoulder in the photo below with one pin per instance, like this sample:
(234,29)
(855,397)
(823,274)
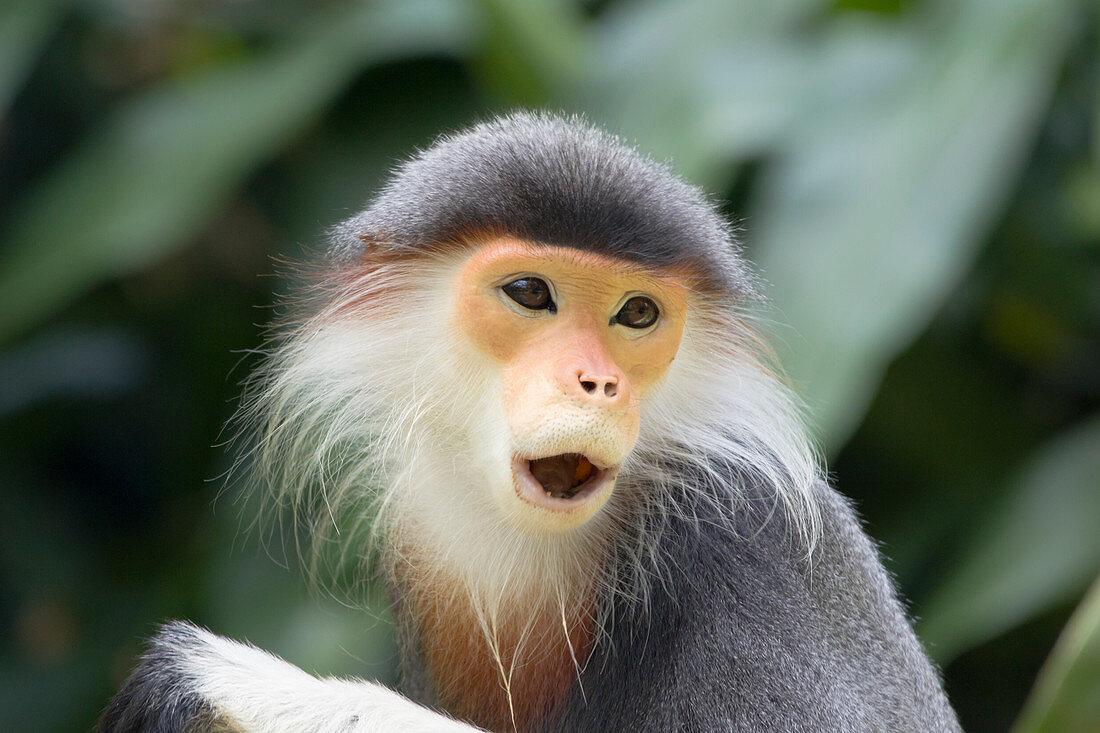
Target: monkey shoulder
(749,632)
(163,692)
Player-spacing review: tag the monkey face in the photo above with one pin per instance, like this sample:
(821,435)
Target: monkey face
(578,340)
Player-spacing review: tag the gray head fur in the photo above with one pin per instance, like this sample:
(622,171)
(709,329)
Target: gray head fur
(551,180)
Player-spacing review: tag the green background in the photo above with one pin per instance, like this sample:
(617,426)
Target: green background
(917,181)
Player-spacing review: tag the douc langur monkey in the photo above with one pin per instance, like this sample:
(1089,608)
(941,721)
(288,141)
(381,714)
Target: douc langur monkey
(526,378)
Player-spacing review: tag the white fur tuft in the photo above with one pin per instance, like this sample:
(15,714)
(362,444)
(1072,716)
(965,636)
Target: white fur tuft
(256,691)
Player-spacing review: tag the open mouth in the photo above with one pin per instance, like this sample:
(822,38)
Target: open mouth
(562,476)
(559,481)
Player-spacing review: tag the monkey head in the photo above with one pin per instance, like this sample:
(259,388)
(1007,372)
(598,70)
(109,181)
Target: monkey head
(578,339)
(519,343)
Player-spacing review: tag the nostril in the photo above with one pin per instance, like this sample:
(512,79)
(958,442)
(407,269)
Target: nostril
(607,387)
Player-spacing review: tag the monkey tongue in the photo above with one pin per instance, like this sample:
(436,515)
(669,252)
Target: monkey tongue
(562,475)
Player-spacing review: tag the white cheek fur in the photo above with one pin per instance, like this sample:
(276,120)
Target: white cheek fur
(379,422)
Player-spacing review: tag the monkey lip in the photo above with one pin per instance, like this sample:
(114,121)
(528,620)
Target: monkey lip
(560,482)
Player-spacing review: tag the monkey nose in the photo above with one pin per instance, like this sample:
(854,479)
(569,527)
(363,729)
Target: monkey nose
(595,386)
(602,389)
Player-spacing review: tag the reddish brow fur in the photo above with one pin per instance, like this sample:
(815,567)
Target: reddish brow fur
(376,256)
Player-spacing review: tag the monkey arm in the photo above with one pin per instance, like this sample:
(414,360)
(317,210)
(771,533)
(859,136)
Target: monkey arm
(192,680)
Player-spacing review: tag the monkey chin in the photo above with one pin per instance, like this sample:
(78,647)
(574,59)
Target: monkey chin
(568,505)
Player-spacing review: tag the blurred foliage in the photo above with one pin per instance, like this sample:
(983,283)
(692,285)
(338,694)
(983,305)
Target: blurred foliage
(918,180)
(1065,696)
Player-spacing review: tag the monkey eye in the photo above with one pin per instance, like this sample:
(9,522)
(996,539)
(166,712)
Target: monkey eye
(638,312)
(532,293)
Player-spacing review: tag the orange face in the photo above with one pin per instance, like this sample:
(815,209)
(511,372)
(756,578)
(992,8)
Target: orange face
(578,340)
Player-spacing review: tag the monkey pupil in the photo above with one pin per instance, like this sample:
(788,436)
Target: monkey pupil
(638,312)
(530,292)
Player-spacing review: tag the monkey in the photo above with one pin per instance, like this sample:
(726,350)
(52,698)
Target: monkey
(527,381)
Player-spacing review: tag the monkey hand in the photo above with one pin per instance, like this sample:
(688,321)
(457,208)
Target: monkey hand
(190,680)
(162,693)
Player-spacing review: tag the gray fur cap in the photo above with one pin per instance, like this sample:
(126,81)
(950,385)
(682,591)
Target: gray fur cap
(552,180)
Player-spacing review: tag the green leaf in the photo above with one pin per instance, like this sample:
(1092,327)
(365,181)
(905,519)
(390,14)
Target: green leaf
(700,82)
(1066,696)
(149,178)
(879,203)
(533,49)
(1037,551)
(24,27)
